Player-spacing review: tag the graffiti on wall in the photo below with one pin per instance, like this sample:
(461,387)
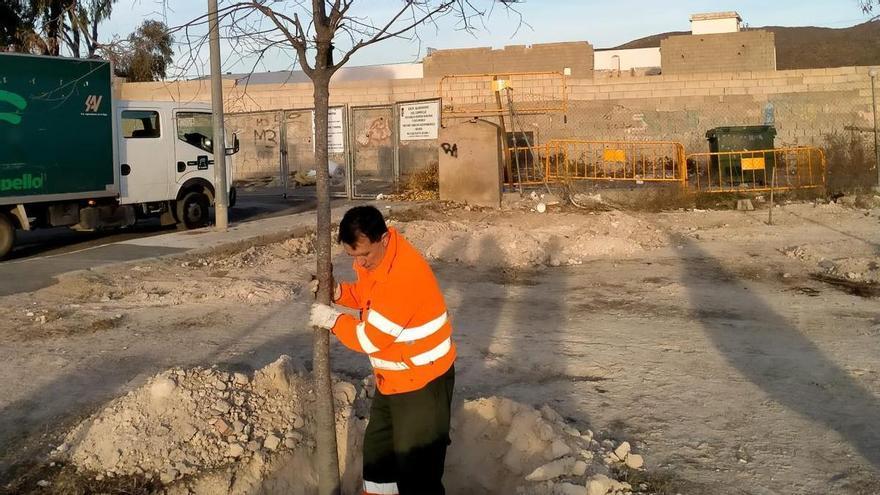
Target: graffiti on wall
(263,137)
(450,149)
(265,133)
(378,133)
(260,138)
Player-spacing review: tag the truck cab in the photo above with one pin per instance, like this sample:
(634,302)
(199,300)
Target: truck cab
(166,160)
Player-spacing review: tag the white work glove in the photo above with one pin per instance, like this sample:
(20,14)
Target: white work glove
(314,284)
(323,316)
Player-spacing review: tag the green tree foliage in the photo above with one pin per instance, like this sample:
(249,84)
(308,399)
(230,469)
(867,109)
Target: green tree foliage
(14,17)
(53,27)
(146,54)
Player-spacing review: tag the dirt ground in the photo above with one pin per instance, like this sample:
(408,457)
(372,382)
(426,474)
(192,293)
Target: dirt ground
(738,357)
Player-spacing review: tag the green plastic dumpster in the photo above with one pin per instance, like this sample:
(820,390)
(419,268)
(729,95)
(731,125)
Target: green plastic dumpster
(738,139)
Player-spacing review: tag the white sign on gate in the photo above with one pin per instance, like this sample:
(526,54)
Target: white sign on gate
(335,130)
(419,121)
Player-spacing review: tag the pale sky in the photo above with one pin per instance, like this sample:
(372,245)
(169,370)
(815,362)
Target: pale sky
(603,23)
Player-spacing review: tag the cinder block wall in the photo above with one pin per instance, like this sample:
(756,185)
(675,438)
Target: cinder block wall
(810,106)
(725,52)
(545,57)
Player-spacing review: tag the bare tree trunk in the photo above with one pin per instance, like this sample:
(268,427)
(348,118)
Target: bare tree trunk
(328,462)
(74,31)
(93,43)
(55,25)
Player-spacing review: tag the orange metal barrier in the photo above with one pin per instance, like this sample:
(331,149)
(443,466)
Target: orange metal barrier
(742,171)
(636,161)
(475,95)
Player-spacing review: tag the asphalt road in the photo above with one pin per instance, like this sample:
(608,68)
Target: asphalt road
(42,255)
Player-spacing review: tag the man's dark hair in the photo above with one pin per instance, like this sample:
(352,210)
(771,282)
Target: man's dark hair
(361,220)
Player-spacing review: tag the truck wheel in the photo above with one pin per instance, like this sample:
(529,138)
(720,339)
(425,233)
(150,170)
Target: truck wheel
(192,210)
(7,235)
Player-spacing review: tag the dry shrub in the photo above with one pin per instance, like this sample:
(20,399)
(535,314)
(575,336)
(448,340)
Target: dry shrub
(422,185)
(426,179)
(851,166)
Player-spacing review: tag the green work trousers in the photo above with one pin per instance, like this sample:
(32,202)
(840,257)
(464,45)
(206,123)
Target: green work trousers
(406,439)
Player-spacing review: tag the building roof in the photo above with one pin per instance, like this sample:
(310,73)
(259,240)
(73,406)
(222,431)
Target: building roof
(362,73)
(709,16)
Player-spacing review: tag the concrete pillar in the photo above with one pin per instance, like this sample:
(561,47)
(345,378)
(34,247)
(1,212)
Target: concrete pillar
(470,163)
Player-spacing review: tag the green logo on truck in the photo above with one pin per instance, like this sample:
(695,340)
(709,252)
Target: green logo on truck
(15,100)
(26,182)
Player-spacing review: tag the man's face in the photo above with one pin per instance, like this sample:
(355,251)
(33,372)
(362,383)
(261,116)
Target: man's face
(367,254)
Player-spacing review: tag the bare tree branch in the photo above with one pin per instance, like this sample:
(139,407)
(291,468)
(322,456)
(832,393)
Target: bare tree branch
(385,34)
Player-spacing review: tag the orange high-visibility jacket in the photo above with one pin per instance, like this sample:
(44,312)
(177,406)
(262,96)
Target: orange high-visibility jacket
(403,325)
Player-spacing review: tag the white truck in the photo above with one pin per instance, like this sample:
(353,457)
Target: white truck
(71,155)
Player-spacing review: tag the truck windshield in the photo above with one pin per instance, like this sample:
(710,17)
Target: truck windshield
(197,129)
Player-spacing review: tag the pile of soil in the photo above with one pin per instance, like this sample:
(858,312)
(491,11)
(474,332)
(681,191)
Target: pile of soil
(184,423)
(204,430)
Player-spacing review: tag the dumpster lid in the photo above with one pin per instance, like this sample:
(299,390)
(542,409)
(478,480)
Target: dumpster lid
(741,129)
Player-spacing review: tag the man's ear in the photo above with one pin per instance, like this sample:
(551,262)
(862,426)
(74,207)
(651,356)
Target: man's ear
(386,238)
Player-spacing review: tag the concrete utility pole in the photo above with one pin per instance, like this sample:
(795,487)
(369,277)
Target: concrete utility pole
(873,73)
(221,193)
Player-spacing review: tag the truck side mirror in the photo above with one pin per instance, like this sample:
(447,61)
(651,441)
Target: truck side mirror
(235,145)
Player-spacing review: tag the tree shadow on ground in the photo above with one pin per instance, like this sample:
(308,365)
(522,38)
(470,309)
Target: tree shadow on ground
(508,322)
(874,245)
(774,355)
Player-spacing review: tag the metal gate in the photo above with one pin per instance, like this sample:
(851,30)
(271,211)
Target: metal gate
(373,141)
(418,124)
(298,151)
(381,149)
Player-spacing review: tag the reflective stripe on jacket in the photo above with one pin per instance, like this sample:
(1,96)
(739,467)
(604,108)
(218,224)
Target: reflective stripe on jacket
(403,327)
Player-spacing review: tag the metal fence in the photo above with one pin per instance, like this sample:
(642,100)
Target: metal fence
(781,169)
(665,162)
(567,160)
(373,150)
(635,161)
